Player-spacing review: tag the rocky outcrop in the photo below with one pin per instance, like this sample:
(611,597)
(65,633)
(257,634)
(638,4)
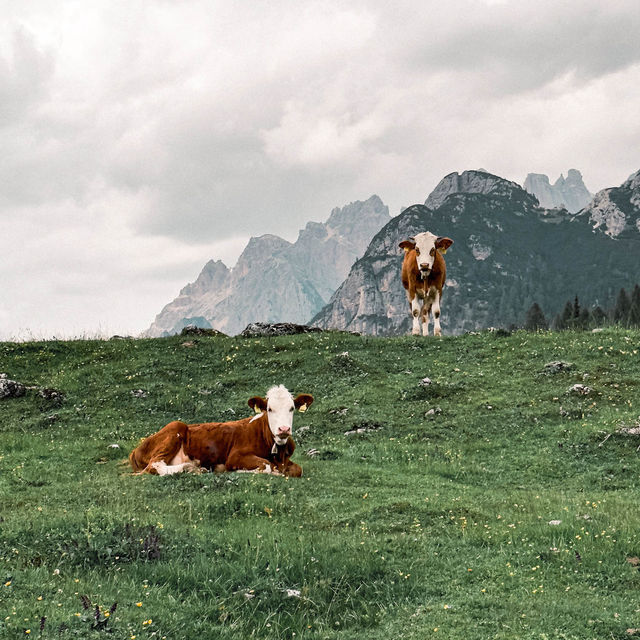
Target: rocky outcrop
(508,252)
(568,193)
(275,280)
(616,211)
(469,182)
(10,388)
(262,329)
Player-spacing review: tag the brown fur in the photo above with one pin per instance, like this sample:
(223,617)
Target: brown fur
(241,444)
(411,279)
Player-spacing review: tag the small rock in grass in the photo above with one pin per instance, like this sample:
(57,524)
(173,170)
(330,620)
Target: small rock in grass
(555,523)
(10,388)
(139,393)
(114,446)
(580,389)
(425,382)
(557,366)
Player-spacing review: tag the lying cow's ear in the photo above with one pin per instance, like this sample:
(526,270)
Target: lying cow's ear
(442,244)
(407,245)
(303,401)
(258,404)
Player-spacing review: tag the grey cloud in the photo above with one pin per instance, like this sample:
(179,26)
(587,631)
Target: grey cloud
(25,75)
(519,46)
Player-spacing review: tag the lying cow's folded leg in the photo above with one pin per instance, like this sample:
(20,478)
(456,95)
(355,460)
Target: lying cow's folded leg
(249,462)
(290,469)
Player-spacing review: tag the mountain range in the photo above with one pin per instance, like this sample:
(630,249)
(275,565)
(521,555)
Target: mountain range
(275,280)
(508,252)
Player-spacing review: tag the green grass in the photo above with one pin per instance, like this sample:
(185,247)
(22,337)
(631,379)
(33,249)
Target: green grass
(425,525)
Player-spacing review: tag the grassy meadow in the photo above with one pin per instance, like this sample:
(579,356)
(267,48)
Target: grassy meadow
(492,503)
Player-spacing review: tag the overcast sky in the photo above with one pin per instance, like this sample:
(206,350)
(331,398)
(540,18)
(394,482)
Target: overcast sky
(139,139)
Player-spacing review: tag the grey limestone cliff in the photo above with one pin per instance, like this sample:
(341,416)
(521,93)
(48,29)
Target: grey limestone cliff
(275,280)
(616,211)
(569,193)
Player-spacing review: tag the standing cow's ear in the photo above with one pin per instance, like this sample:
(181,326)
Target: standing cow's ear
(407,245)
(442,244)
(258,404)
(303,401)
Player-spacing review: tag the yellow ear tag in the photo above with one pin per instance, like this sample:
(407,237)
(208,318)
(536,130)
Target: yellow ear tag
(406,250)
(443,251)
(303,408)
(255,408)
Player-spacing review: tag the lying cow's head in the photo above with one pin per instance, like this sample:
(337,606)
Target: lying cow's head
(425,245)
(279,405)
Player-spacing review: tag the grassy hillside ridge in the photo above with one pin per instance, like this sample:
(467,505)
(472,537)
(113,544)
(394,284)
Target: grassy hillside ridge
(431,521)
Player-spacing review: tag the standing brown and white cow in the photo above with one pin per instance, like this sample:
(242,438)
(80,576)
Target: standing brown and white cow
(423,275)
(262,444)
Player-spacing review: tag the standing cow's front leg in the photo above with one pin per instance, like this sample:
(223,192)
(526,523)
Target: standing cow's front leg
(416,308)
(436,315)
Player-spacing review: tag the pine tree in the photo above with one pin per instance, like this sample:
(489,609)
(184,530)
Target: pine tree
(598,317)
(576,308)
(558,323)
(585,318)
(621,310)
(535,319)
(633,319)
(567,316)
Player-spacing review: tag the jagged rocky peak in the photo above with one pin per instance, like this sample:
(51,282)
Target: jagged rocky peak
(569,193)
(616,211)
(470,182)
(354,212)
(214,275)
(267,242)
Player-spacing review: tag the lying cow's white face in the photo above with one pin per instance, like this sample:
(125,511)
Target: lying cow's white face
(280,406)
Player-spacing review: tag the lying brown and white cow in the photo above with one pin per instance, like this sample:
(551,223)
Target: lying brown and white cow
(262,443)
(423,275)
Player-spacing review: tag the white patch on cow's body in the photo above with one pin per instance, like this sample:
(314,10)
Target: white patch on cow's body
(280,409)
(180,458)
(256,417)
(163,469)
(268,469)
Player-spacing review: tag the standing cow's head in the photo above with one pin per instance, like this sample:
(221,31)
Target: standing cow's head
(425,245)
(280,405)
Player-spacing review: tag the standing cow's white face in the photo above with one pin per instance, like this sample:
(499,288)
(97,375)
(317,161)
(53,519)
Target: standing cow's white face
(425,251)
(426,244)
(280,406)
